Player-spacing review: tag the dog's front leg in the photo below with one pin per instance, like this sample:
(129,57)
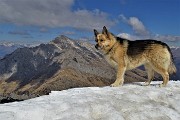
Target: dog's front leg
(120,76)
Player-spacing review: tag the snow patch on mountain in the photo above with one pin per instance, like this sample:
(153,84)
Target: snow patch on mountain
(129,102)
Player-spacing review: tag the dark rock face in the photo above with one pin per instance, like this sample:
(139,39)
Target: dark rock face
(25,65)
(8,99)
(176,54)
(61,64)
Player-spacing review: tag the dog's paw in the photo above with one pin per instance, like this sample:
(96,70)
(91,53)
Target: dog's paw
(114,85)
(162,85)
(145,84)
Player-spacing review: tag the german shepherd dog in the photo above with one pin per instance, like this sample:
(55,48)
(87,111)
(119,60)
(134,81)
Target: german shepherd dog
(124,54)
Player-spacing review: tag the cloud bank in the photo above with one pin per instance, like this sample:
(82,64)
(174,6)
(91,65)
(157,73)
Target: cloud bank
(136,24)
(165,38)
(141,31)
(51,13)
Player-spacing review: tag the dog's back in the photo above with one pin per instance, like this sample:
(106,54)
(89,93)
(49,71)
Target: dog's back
(139,46)
(153,54)
(124,55)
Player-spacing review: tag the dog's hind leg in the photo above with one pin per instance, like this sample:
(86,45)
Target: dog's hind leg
(150,73)
(163,72)
(165,76)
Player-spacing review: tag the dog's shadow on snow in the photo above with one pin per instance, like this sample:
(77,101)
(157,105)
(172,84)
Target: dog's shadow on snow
(142,84)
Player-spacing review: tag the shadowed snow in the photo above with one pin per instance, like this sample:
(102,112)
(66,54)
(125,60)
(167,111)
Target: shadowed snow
(129,102)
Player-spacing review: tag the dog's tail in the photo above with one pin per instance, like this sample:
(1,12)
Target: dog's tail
(172,68)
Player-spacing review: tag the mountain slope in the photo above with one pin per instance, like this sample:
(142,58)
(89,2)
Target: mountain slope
(129,102)
(7,48)
(61,64)
(176,54)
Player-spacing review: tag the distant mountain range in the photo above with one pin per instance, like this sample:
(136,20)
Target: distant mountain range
(60,64)
(9,47)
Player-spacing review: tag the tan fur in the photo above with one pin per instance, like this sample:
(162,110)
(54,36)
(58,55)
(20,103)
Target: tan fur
(155,59)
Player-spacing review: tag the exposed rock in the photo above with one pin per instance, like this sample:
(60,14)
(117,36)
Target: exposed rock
(61,64)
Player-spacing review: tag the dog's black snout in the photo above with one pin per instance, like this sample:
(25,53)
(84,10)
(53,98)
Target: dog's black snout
(96,46)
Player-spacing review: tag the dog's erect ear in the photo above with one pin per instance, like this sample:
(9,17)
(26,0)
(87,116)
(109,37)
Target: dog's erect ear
(96,32)
(105,31)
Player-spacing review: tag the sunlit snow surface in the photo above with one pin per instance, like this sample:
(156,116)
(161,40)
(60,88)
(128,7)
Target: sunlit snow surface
(129,102)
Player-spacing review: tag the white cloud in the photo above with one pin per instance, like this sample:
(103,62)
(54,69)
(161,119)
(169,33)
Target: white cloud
(166,38)
(169,39)
(128,36)
(142,33)
(51,13)
(136,24)
(68,33)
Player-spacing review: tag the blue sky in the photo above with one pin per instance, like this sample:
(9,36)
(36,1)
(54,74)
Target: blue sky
(37,21)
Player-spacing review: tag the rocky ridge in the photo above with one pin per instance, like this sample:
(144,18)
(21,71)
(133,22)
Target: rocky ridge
(60,64)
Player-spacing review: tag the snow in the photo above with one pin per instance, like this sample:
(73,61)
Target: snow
(174,47)
(129,102)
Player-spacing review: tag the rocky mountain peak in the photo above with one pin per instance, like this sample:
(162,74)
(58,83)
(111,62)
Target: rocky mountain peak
(62,39)
(61,64)
(63,42)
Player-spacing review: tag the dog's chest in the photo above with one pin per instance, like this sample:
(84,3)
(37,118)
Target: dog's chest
(111,61)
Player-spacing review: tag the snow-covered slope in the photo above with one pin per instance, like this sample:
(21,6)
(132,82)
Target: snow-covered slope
(129,102)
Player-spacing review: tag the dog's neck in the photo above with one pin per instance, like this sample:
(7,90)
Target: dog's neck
(112,48)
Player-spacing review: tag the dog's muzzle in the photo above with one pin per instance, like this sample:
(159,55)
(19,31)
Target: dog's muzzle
(97,46)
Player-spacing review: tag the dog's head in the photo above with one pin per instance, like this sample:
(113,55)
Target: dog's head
(103,39)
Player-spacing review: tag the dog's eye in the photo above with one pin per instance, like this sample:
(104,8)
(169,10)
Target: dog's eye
(101,40)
